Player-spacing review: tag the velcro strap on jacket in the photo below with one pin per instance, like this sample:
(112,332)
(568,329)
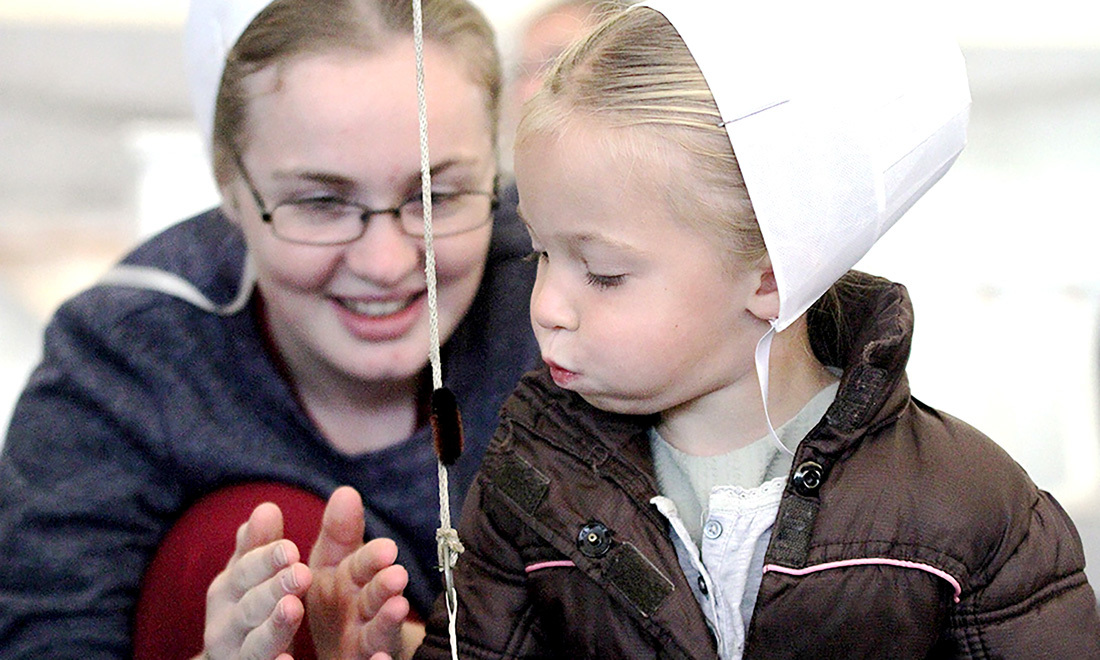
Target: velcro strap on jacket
(638,579)
(518,480)
(793,529)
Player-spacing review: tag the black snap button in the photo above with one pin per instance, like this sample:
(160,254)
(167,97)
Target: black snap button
(807,478)
(594,539)
(702,585)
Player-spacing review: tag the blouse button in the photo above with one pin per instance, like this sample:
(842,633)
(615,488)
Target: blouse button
(713,529)
(702,585)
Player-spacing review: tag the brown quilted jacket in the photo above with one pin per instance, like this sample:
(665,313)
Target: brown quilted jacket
(902,532)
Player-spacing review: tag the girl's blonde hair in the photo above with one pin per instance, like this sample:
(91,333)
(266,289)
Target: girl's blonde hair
(634,75)
(286,29)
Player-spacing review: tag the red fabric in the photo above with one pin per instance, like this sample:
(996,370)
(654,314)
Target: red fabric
(171,610)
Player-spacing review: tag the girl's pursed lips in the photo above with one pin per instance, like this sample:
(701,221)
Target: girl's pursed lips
(560,374)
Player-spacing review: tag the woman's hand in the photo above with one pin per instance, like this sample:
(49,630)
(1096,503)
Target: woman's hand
(254,606)
(356,606)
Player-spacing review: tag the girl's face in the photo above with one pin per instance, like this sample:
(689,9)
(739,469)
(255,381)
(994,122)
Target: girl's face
(633,310)
(345,125)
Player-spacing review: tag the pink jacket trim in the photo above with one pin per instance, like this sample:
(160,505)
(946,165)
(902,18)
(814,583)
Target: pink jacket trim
(561,563)
(869,562)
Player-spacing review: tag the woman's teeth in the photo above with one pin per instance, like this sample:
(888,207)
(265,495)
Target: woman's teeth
(377,307)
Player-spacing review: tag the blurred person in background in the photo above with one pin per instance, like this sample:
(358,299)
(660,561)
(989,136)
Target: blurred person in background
(546,35)
(541,38)
(247,363)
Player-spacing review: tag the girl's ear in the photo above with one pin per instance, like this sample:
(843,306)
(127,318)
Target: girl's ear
(764,302)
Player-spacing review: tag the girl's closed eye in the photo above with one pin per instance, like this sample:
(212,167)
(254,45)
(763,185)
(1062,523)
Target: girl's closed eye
(604,281)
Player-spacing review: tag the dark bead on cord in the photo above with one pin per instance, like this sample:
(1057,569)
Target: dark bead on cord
(446,426)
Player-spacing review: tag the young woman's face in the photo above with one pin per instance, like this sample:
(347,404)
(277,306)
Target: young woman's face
(345,125)
(633,310)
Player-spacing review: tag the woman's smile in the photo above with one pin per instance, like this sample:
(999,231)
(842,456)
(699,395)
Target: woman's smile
(379,307)
(381,319)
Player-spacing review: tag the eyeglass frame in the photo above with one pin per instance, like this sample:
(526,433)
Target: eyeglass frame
(366,212)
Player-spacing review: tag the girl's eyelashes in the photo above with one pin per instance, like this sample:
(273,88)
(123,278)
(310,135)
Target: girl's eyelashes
(593,279)
(605,281)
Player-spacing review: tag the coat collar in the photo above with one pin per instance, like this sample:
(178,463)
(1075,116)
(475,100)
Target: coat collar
(867,331)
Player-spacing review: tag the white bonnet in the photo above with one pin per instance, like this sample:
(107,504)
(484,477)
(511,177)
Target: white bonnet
(841,116)
(212,29)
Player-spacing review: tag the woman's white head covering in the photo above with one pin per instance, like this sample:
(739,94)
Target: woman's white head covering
(212,29)
(841,115)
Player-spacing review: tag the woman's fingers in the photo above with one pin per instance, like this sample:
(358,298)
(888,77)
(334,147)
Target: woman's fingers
(264,525)
(372,557)
(356,604)
(383,631)
(268,611)
(270,638)
(254,606)
(386,586)
(259,553)
(260,565)
(259,602)
(341,529)
(380,602)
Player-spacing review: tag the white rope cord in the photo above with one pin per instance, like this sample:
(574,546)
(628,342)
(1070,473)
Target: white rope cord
(448,544)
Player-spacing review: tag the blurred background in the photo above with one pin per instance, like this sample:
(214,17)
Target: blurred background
(98,150)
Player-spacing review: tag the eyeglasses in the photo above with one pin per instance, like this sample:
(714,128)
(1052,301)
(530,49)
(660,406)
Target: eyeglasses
(331,220)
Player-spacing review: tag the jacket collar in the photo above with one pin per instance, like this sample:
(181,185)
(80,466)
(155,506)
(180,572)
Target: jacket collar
(870,339)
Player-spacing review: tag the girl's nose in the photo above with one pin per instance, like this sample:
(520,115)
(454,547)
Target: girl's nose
(384,254)
(550,307)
